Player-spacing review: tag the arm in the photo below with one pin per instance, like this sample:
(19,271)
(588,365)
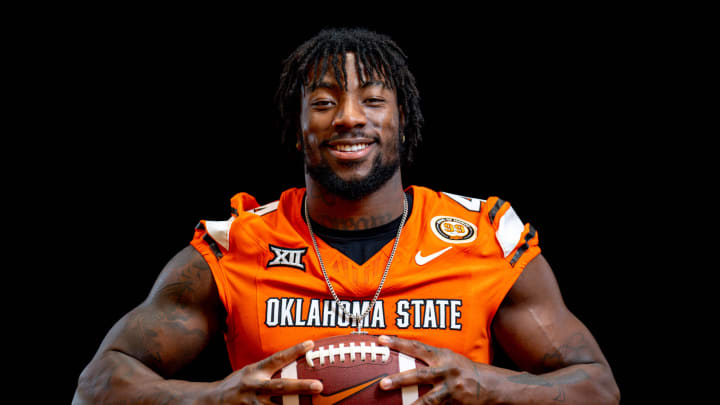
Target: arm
(563,361)
(539,333)
(163,334)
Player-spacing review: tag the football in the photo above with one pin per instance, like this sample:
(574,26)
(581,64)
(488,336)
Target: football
(350,368)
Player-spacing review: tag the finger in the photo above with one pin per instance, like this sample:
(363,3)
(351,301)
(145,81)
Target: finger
(437,395)
(413,348)
(422,375)
(284,357)
(289,386)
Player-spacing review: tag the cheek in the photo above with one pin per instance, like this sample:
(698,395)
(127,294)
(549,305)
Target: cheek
(312,138)
(388,118)
(395,124)
(311,141)
(390,124)
(310,133)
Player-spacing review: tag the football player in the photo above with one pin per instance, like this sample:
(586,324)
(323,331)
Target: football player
(438,275)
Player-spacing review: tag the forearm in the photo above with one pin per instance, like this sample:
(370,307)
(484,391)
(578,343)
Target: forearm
(114,377)
(577,384)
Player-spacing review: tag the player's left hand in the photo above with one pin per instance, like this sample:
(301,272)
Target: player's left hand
(456,378)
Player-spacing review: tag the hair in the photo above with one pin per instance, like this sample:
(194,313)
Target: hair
(377,55)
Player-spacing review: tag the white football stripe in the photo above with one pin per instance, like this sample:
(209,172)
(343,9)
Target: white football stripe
(290,371)
(409,394)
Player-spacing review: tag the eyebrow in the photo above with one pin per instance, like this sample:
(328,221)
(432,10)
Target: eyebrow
(324,84)
(373,83)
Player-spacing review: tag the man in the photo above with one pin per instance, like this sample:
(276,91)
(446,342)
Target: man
(440,275)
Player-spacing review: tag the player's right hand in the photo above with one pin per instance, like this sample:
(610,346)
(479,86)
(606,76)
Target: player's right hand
(254,384)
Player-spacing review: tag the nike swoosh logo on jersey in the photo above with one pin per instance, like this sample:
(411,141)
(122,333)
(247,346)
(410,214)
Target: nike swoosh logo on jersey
(339,396)
(422,260)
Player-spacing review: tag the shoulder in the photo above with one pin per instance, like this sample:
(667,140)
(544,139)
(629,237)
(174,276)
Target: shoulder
(491,221)
(246,216)
(185,279)
(492,209)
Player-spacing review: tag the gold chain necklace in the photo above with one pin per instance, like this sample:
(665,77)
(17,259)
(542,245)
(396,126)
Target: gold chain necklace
(361,317)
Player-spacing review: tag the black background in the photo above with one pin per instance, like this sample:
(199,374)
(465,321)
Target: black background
(154,120)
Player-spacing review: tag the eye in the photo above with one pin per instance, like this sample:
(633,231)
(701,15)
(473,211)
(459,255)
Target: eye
(322,104)
(375,101)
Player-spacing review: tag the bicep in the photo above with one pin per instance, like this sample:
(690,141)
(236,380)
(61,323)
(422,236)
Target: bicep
(536,329)
(177,320)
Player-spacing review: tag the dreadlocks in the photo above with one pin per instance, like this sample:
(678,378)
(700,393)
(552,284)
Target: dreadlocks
(376,56)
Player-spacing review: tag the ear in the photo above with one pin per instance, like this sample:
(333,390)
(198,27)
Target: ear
(299,142)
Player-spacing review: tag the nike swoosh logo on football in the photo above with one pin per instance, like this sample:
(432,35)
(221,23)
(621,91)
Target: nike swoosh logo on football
(422,260)
(339,396)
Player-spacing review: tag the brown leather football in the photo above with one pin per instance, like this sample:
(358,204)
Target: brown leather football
(350,368)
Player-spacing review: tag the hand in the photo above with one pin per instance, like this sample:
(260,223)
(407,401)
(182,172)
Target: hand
(253,384)
(456,378)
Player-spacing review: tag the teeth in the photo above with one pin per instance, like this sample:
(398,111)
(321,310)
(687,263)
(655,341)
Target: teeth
(351,148)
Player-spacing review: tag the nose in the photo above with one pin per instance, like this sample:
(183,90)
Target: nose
(349,115)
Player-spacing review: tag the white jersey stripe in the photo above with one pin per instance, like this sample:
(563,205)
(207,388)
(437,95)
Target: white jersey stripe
(509,231)
(220,231)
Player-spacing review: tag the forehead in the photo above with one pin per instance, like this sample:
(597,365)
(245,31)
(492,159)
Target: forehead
(334,71)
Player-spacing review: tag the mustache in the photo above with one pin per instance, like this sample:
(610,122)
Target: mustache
(351,134)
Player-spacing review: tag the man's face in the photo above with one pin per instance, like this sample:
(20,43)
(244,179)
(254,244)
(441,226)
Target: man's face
(350,138)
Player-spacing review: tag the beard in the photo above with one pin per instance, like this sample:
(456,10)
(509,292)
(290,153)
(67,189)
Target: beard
(354,189)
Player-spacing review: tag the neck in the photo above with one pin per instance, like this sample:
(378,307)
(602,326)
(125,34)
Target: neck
(376,209)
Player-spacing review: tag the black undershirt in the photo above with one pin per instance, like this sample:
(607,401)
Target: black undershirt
(361,245)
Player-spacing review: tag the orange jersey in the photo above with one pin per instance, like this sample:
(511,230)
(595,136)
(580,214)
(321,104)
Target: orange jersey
(456,260)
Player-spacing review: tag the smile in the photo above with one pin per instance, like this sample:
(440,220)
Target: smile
(350,148)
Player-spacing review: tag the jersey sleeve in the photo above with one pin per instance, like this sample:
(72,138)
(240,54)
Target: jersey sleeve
(517,240)
(214,236)
(212,240)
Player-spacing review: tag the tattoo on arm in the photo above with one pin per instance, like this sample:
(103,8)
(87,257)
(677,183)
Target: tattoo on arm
(551,381)
(563,379)
(152,330)
(576,350)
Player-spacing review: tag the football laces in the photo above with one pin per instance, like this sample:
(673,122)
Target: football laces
(351,351)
